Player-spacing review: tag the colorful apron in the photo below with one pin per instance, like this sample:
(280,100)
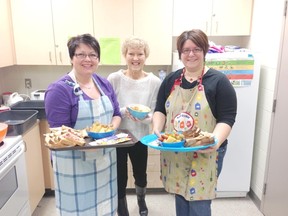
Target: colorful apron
(192,175)
(86,181)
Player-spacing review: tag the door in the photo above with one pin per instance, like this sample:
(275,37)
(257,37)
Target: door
(33,32)
(70,18)
(276,198)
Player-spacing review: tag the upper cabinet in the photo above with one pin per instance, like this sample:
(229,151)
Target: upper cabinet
(153,22)
(214,17)
(149,19)
(113,19)
(70,18)
(42,29)
(6,45)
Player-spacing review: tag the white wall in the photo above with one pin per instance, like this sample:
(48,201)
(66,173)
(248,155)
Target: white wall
(12,78)
(265,39)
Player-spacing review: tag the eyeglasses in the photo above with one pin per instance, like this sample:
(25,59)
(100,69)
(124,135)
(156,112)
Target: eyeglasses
(188,51)
(83,56)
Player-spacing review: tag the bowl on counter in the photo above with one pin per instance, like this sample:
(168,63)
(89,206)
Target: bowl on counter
(3,131)
(138,110)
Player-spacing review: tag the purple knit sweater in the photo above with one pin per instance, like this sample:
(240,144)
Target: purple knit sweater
(61,104)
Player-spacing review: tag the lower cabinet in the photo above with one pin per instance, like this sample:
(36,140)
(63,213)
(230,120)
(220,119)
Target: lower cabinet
(46,158)
(153,171)
(33,157)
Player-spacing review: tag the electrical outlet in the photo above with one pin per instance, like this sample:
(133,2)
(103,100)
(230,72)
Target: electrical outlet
(28,83)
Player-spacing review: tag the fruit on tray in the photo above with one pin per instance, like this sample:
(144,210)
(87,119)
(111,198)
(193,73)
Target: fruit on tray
(171,137)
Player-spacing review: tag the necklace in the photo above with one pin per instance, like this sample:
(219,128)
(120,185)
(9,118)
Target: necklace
(191,79)
(90,86)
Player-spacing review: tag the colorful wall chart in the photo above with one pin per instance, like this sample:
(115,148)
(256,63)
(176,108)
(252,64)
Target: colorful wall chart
(239,71)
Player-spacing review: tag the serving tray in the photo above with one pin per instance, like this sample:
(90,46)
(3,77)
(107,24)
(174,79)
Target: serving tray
(152,141)
(89,140)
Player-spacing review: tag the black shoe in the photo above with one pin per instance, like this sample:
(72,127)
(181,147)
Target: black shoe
(122,207)
(141,192)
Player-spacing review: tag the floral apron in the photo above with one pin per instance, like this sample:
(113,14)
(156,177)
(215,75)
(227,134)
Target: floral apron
(86,181)
(190,174)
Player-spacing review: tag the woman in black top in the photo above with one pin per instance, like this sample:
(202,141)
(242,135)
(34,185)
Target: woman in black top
(194,96)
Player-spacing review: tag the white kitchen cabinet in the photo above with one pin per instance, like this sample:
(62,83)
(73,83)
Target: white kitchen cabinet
(113,19)
(6,45)
(42,29)
(33,157)
(147,19)
(191,14)
(153,21)
(214,17)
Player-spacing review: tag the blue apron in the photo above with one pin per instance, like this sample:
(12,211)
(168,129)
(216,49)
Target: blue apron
(86,181)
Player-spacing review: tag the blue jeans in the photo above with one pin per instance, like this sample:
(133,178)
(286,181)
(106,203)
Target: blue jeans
(201,207)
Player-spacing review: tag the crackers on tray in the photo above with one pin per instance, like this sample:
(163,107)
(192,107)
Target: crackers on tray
(65,137)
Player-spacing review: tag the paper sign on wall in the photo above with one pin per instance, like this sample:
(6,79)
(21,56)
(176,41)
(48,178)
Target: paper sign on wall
(110,51)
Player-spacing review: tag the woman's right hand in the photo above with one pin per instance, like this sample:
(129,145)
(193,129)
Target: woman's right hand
(158,122)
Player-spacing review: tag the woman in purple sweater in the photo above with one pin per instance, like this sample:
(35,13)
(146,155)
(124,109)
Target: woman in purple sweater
(85,181)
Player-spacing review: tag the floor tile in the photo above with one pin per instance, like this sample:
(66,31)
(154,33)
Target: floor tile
(163,204)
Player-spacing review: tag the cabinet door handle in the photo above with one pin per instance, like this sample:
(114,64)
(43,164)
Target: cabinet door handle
(50,57)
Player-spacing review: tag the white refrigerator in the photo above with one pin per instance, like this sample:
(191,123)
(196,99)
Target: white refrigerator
(243,70)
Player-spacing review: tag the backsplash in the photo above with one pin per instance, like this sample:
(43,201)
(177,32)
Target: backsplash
(13,77)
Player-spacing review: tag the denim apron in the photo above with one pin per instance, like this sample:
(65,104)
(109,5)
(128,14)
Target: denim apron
(190,174)
(86,181)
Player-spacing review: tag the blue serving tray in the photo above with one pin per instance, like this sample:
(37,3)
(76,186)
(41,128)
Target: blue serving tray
(152,141)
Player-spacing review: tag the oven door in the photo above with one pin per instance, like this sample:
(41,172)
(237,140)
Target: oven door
(13,187)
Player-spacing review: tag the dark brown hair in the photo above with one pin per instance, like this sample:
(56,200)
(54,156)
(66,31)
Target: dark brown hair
(86,39)
(197,36)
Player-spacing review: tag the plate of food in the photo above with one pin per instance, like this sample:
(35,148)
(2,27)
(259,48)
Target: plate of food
(201,140)
(99,131)
(66,138)
(138,110)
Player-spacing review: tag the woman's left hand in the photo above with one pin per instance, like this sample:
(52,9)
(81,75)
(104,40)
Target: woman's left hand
(209,149)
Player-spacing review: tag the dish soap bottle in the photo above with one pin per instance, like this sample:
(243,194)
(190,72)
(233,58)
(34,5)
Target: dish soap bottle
(162,74)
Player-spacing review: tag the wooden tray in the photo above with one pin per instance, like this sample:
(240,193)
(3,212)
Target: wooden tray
(87,146)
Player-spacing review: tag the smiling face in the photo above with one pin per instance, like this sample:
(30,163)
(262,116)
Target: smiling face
(192,56)
(135,59)
(86,63)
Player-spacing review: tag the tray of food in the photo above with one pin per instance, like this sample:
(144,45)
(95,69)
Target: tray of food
(192,140)
(66,138)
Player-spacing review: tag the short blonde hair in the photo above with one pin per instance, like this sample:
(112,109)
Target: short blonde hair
(135,42)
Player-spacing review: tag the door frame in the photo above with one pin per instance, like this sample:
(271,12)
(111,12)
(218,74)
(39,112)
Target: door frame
(275,192)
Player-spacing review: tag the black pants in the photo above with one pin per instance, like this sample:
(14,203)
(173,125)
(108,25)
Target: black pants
(138,156)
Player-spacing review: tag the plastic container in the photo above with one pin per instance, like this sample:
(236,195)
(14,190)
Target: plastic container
(5,97)
(19,121)
(3,131)
(38,105)
(162,74)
